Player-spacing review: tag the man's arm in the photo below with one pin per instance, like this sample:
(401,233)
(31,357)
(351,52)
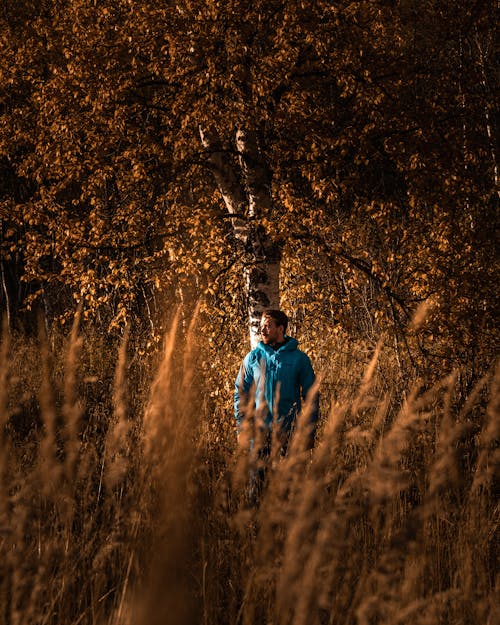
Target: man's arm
(307,379)
(242,386)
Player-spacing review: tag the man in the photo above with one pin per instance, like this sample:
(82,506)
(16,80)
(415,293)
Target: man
(278,376)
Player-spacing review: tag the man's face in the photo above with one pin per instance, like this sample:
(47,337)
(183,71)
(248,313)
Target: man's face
(270,332)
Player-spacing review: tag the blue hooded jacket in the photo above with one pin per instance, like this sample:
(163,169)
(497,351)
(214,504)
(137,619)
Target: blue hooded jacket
(286,371)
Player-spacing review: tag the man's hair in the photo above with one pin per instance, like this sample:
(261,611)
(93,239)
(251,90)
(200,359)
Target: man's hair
(278,315)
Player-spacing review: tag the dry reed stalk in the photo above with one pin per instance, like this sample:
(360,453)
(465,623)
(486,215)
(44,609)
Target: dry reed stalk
(287,474)
(363,392)
(488,463)
(116,460)
(334,543)
(170,427)
(422,314)
(50,467)
(72,409)
(157,426)
(303,525)
(385,477)
(443,471)
(384,481)
(355,550)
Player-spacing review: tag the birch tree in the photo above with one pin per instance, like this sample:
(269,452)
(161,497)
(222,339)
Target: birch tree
(246,194)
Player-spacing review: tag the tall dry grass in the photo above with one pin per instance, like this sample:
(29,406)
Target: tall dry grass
(124,499)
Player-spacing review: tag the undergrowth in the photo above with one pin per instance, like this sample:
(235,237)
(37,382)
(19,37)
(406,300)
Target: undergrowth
(124,494)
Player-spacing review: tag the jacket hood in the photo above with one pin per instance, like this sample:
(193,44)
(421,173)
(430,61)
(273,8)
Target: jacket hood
(289,345)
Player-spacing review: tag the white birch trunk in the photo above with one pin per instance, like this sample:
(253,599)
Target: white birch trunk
(245,196)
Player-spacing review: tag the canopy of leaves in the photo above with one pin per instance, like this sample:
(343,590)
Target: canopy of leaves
(375,118)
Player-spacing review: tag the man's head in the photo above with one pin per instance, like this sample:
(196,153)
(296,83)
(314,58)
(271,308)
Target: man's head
(273,326)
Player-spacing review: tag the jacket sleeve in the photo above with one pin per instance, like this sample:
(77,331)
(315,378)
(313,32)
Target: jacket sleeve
(307,379)
(242,386)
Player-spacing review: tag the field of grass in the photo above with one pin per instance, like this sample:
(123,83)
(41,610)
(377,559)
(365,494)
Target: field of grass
(124,496)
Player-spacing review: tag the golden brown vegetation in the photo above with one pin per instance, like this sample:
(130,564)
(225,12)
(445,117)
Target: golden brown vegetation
(124,501)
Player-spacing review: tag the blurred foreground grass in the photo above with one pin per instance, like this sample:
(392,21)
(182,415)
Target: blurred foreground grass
(123,498)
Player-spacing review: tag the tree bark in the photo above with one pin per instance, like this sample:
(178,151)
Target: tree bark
(247,193)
